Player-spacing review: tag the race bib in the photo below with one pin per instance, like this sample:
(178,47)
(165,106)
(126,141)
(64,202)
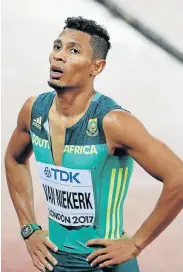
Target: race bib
(69,194)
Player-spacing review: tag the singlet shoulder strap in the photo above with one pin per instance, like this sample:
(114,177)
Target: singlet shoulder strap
(41,107)
(104,105)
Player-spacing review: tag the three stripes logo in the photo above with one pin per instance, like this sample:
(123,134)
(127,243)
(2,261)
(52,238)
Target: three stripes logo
(37,122)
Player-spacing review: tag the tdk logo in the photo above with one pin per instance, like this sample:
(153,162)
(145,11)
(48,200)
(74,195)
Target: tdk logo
(65,176)
(47,172)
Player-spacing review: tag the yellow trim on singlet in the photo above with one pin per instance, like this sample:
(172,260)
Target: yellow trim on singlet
(115,202)
(119,204)
(110,203)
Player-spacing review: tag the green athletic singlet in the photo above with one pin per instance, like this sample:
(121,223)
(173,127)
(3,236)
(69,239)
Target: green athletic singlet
(85,195)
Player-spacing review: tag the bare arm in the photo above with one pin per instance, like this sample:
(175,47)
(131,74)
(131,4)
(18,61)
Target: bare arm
(122,130)
(18,173)
(20,187)
(159,161)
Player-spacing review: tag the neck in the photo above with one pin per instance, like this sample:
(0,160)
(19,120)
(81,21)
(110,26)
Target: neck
(73,101)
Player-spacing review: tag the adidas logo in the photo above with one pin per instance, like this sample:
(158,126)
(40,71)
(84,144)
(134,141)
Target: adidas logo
(37,122)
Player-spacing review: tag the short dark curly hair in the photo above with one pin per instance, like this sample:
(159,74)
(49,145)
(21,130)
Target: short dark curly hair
(100,40)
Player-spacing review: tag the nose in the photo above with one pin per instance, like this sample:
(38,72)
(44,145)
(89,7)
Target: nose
(59,56)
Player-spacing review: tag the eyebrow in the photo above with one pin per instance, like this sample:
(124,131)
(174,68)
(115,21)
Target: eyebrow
(70,43)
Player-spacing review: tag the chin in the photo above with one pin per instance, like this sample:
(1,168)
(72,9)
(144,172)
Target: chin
(59,87)
(53,83)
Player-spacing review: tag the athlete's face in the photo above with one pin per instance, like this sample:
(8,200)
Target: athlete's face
(71,62)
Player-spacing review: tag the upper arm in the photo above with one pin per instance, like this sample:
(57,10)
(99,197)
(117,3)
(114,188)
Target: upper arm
(153,155)
(20,147)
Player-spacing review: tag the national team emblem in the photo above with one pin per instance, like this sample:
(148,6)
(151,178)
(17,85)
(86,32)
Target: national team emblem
(92,128)
(47,172)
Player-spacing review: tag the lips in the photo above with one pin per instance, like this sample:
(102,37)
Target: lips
(56,72)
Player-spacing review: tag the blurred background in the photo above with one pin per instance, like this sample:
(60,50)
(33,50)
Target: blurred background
(139,75)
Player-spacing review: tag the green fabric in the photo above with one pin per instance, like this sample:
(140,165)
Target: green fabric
(68,262)
(85,148)
(35,226)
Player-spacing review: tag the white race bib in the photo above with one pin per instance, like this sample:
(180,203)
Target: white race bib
(69,194)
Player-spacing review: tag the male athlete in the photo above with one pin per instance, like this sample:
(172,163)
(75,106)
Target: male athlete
(84,144)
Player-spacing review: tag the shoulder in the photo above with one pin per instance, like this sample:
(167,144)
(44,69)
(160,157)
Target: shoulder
(104,105)
(24,117)
(117,116)
(122,125)
(110,104)
(105,100)
(27,106)
(29,102)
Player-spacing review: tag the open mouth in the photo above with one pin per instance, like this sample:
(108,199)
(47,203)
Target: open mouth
(56,72)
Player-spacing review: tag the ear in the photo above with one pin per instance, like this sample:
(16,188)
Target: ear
(97,67)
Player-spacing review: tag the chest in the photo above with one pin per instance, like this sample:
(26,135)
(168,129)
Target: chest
(79,147)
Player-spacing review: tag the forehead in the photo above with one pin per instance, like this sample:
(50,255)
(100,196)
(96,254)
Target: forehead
(72,35)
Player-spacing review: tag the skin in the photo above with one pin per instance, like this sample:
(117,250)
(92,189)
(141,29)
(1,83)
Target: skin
(74,90)
(160,162)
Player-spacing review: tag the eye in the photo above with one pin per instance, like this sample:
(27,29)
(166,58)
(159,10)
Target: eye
(56,47)
(74,51)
